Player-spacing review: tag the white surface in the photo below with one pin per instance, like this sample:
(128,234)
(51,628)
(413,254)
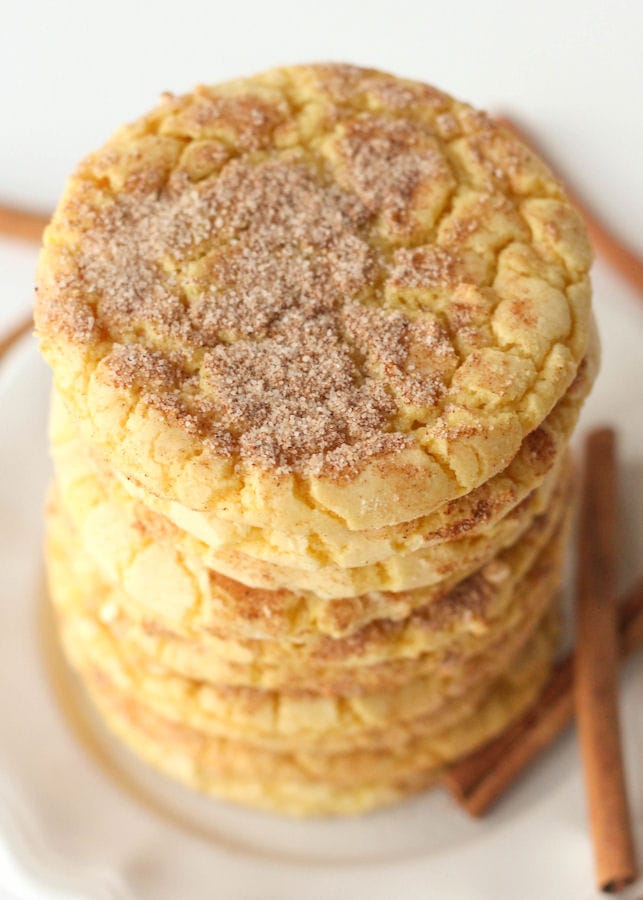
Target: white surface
(69,73)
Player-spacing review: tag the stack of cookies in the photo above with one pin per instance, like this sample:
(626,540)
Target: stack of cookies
(319,341)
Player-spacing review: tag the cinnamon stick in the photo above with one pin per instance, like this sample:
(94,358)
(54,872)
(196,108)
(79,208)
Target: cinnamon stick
(596,668)
(481,779)
(7,340)
(614,250)
(22,224)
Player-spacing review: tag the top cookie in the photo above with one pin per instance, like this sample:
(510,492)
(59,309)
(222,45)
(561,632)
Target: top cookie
(323,281)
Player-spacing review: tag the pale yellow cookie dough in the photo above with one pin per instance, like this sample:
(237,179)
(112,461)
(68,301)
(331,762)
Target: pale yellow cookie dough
(322,282)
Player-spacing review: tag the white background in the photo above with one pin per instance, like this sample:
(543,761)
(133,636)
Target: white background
(70,72)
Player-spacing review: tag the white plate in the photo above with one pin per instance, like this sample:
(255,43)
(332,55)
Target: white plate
(82,818)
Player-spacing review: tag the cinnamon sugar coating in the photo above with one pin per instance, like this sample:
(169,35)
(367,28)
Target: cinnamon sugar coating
(321,275)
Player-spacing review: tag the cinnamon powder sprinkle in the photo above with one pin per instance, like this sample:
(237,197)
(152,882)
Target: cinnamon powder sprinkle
(285,243)
(258,324)
(238,271)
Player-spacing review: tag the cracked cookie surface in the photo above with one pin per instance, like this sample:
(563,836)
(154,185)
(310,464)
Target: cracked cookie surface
(322,282)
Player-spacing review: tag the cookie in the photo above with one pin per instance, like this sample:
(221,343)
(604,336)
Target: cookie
(322,282)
